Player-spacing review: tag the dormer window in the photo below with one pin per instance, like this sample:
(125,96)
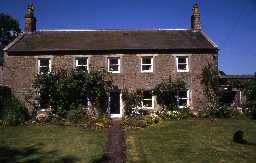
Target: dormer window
(82,63)
(182,64)
(147,64)
(44,65)
(114,64)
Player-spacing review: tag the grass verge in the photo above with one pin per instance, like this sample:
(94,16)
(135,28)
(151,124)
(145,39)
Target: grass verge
(51,144)
(192,141)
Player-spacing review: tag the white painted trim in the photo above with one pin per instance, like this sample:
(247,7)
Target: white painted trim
(152,64)
(187,64)
(49,66)
(145,55)
(119,64)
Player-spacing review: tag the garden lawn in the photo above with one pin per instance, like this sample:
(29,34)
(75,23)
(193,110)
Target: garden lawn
(51,144)
(192,141)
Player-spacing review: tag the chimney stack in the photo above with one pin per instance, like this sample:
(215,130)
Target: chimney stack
(195,18)
(30,20)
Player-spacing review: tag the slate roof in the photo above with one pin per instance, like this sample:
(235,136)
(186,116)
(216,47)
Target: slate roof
(105,40)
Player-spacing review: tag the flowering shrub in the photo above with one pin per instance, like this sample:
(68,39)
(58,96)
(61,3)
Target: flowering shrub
(173,114)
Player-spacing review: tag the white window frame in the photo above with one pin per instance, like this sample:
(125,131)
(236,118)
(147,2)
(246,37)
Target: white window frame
(184,98)
(87,63)
(118,64)
(39,66)
(187,63)
(148,99)
(143,64)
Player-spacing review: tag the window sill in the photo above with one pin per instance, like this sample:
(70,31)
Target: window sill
(182,70)
(114,72)
(147,71)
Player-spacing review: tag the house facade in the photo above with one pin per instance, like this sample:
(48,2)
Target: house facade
(136,59)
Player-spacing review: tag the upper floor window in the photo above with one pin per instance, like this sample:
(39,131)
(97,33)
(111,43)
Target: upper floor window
(148,101)
(147,64)
(183,98)
(82,63)
(44,65)
(182,64)
(114,64)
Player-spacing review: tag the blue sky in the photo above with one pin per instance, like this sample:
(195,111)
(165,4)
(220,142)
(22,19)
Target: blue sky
(230,23)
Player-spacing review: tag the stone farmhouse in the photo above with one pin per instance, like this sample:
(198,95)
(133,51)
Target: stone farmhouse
(136,59)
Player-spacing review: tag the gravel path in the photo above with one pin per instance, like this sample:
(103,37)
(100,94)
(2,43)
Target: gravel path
(116,146)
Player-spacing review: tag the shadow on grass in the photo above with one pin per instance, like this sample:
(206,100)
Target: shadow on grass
(104,159)
(33,154)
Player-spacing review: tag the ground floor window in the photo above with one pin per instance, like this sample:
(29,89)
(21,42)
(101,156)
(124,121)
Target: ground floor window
(183,98)
(148,100)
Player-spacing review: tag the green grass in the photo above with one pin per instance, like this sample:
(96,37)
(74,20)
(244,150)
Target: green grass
(192,141)
(51,144)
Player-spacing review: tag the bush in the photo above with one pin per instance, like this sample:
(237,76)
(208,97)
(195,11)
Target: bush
(12,112)
(132,102)
(251,98)
(134,122)
(222,112)
(177,114)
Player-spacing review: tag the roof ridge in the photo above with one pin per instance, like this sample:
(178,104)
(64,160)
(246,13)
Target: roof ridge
(134,29)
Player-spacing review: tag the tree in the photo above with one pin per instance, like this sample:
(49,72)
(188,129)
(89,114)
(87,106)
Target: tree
(9,30)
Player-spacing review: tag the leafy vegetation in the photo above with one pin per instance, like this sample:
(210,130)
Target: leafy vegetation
(166,93)
(192,141)
(66,90)
(210,80)
(9,30)
(132,101)
(12,112)
(251,98)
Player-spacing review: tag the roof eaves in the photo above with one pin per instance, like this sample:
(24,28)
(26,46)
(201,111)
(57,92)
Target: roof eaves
(14,42)
(210,40)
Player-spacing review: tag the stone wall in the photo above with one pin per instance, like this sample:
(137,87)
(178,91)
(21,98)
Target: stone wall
(19,72)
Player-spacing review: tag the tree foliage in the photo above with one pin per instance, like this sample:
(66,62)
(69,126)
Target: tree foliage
(65,90)
(251,97)
(9,28)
